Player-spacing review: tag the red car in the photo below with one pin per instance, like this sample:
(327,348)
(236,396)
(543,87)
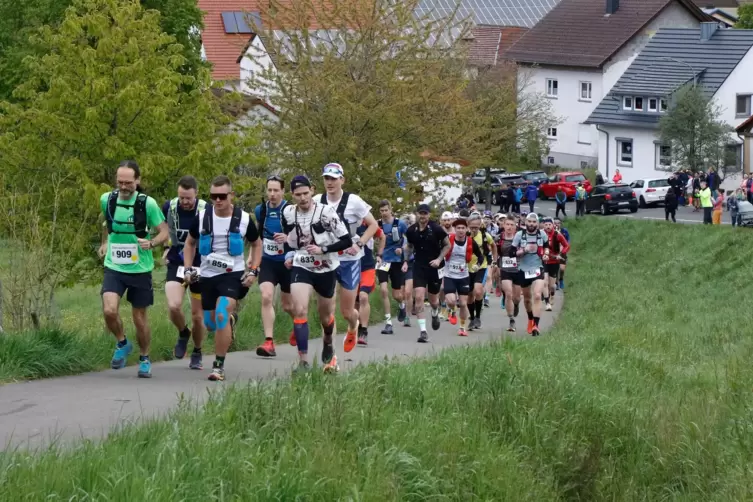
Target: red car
(568,182)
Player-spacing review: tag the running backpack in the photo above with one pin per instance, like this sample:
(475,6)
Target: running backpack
(484,244)
(340,208)
(263,214)
(173,219)
(139,215)
(234,237)
(468,248)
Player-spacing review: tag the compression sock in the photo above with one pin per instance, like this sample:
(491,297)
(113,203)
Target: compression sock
(328,329)
(422,324)
(530,315)
(562,275)
(301,331)
(123,343)
(479,304)
(388,319)
(185,333)
(536,321)
(472,311)
(219,361)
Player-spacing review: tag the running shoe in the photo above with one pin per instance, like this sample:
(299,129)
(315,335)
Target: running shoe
(462,332)
(435,322)
(423,337)
(530,326)
(406,322)
(453,318)
(292,339)
(401,315)
(266,349)
(145,368)
(562,284)
(362,340)
(511,327)
(548,307)
(331,366)
(516,310)
(329,359)
(387,329)
(218,373)
(121,355)
(350,341)
(195,363)
(477,323)
(303,368)
(180,348)
(486,302)
(535,330)
(443,315)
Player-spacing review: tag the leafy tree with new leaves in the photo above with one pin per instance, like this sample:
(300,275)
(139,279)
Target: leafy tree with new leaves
(381,91)
(745,17)
(699,139)
(107,87)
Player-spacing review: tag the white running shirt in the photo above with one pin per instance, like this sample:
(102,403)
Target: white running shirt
(211,265)
(355,212)
(303,234)
(456,267)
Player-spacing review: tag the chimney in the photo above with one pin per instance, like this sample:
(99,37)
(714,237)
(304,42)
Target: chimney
(708,30)
(612,6)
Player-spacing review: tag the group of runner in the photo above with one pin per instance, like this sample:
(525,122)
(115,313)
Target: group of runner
(308,247)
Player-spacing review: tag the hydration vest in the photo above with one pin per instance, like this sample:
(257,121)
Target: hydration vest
(139,215)
(468,248)
(173,220)
(340,210)
(263,215)
(234,237)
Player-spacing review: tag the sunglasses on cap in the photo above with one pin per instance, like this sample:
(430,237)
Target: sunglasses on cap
(218,196)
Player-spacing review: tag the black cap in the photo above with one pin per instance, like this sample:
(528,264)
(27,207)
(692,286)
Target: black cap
(423,208)
(299,181)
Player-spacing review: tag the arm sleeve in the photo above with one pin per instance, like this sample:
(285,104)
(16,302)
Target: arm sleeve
(154,216)
(252,234)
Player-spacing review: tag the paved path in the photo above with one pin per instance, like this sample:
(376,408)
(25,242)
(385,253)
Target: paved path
(32,414)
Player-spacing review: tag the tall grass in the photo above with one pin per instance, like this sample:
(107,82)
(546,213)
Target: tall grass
(642,391)
(81,343)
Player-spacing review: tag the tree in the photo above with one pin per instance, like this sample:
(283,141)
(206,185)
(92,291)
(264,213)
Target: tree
(745,17)
(108,87)
(381,90)
(698,137)
(20,21)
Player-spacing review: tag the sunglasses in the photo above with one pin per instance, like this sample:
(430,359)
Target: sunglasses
(218,196)
(275,177)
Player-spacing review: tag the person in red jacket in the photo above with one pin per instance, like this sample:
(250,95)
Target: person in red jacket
(617,176)
(558,246)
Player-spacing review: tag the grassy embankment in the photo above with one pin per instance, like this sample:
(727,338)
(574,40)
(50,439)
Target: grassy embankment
(80,343)
(642,391)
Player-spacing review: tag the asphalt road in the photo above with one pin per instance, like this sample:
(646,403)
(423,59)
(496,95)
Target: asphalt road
(63,410)
(684,214)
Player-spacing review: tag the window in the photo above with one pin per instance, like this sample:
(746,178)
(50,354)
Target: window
(627,103)
(637,184)
(585,91)
(658,183)
(638,104)
(584,134)
(624,152)
(583,164)
(742,107)
(551,133)
(550,160)
(653,105)
(662,105)
(575,178)
(663,157)
(552,88)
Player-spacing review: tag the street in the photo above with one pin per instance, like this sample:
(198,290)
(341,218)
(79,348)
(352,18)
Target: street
(684,214)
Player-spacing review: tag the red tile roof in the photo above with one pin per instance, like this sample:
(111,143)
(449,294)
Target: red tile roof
(490,43)
(221,48)
(579,33)
(746,126)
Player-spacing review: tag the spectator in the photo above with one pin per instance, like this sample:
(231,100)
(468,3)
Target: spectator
(580,200)
(749,189)
(518,196)
(718,207)
(670,206)
(532,192)
(733,206)
(617,176)
(511,198)
(599,178)
(704,196)
(712,181)
(696,191)
(561,199)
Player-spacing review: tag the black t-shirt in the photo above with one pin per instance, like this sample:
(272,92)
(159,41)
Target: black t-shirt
(427,243)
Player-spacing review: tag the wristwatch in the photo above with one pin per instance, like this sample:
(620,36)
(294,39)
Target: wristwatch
(151,244)
(325,249)
(254,271)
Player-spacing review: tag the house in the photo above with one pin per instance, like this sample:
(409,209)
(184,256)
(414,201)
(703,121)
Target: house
(576,54)
(490,43)
(725,19)
(745,132)
(523,13)
(720,61)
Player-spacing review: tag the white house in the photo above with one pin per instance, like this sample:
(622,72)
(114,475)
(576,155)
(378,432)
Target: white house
(577,52)
(718,60)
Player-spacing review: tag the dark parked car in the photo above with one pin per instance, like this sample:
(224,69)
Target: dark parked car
(478,179)
(534,177)
(611,197)
(506,180)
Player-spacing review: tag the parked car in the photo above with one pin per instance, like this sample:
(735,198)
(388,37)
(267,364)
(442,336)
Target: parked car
(478,179)
(497,181)
(650,190)
(568,182)
(612,197)
(534,177)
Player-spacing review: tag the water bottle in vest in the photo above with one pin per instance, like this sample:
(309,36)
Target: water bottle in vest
(395,233)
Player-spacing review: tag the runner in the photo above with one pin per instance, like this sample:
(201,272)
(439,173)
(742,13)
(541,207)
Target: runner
(273,271)
(219,232)
(316,235)
(446,221)
(563,263)
(457,283)
(531,248)
(478,278)
(368,280)
(557,246)
(129,216)
(408,297)
(181,213)
(431,245)
(390,267)
(352,210)
(508,271)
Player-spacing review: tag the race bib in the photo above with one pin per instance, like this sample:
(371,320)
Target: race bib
(457,268)
(440,273)
(219,263)
(384,266)
(124,254)
(532,274)
(509,262)
(272,248)
(305,259)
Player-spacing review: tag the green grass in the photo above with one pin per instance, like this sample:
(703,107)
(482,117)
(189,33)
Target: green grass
(642,391)
(81,343)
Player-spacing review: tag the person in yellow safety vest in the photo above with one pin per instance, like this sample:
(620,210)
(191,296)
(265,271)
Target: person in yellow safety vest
(705,196)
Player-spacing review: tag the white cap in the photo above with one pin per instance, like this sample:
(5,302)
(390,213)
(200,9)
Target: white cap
(446,215)
(532,216)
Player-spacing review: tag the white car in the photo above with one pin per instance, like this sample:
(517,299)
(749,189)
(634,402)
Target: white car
(650,190)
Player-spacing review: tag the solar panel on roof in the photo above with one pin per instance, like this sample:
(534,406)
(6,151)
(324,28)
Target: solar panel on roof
(493,12)
(241,22)
(228,20)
